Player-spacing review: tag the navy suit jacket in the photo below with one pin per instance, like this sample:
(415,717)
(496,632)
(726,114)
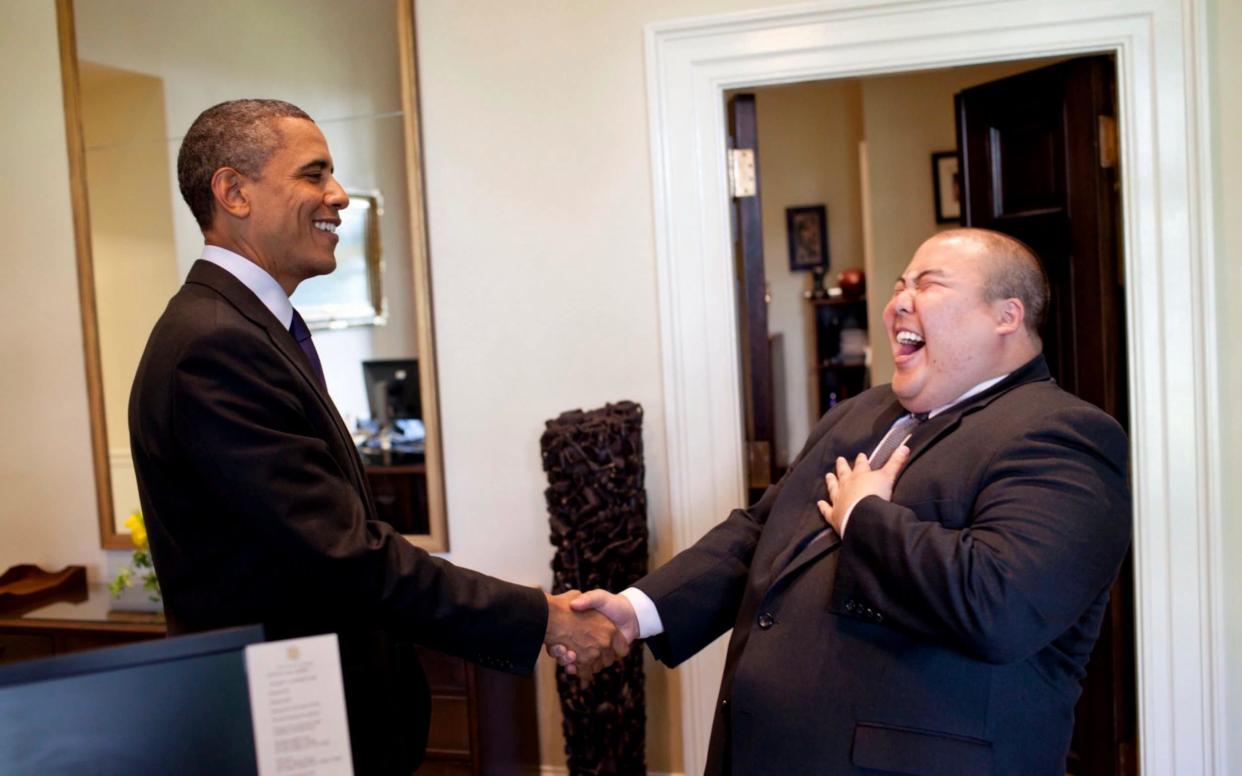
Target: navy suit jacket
(948,632)
(258,511)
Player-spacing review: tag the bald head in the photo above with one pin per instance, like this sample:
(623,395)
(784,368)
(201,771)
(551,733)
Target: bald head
(965,310)
(1013,272)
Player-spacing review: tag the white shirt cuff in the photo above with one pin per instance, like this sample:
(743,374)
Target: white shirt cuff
(649,622)
(845,519)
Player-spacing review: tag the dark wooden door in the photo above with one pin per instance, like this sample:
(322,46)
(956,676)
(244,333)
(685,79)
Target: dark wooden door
(752,312)
(1039,162)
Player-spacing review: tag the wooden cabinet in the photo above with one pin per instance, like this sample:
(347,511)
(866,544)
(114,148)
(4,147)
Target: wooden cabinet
(62,627)
(841,343)
(24,646)
(482,721)
(400,495)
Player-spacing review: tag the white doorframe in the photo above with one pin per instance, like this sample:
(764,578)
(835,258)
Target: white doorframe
(1160,47)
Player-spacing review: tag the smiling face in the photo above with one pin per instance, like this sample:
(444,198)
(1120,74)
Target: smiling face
(294,205)
(946,337)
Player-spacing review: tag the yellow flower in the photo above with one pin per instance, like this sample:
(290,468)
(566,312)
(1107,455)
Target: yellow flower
(137,530)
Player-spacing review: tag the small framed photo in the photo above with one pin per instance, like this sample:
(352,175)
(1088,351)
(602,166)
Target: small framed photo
(947,183)
(807,226)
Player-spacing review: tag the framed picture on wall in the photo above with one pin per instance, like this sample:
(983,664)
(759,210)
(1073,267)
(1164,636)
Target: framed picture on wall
(947,184)
(807,227)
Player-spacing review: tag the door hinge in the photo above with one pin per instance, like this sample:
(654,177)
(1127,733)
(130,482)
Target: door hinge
(1108,142)
(759,464)
(742,172)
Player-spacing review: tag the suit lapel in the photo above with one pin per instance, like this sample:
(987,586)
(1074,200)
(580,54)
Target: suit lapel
(811,522)
(244,300)
(222,282)
(935,429)
(818,548)
(878,428)
(921,441)
(930,432)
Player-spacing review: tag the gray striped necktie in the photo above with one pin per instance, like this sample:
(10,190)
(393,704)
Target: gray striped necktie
(899,433)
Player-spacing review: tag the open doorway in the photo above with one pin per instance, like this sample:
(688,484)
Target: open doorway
(879,158)
(1163,125)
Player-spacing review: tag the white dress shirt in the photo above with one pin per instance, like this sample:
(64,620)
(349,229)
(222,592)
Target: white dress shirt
(649,622)
(255,278)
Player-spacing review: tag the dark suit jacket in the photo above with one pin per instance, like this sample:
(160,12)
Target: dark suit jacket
(948,632)
(258,511)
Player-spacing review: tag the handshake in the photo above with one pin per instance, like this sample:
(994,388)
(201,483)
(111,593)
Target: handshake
(589,631)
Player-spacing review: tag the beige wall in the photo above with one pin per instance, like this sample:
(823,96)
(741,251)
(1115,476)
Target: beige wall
(542,242)
(1225,23)
(131,231)
(808,153)
(132,247)
(47,506)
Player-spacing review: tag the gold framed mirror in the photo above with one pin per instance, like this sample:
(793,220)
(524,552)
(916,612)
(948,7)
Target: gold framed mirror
(135,75)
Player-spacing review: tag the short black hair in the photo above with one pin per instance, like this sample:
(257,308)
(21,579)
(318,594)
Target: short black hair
(238,134)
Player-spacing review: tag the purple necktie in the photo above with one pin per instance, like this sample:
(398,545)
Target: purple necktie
(302,334)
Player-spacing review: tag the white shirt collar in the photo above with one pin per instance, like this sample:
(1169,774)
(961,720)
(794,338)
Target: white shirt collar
(255,278)
(980,388)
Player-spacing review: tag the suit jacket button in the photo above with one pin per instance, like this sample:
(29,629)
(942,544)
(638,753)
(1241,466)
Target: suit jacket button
(850,606)
(766,620)
(879,617)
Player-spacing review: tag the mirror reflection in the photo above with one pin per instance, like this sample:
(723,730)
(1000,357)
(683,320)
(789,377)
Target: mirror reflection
(145,71)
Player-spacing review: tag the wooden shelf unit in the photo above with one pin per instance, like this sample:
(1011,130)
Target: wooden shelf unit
(839,376)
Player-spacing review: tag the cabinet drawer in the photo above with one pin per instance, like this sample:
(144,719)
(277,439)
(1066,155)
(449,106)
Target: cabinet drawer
(400,498)
(450,725)
(435,767)
(24,646)
(445,674)
(79,641)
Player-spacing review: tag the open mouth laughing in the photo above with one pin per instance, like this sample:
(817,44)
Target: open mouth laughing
(908,342)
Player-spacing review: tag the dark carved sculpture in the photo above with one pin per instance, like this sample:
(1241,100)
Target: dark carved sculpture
(598,514)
